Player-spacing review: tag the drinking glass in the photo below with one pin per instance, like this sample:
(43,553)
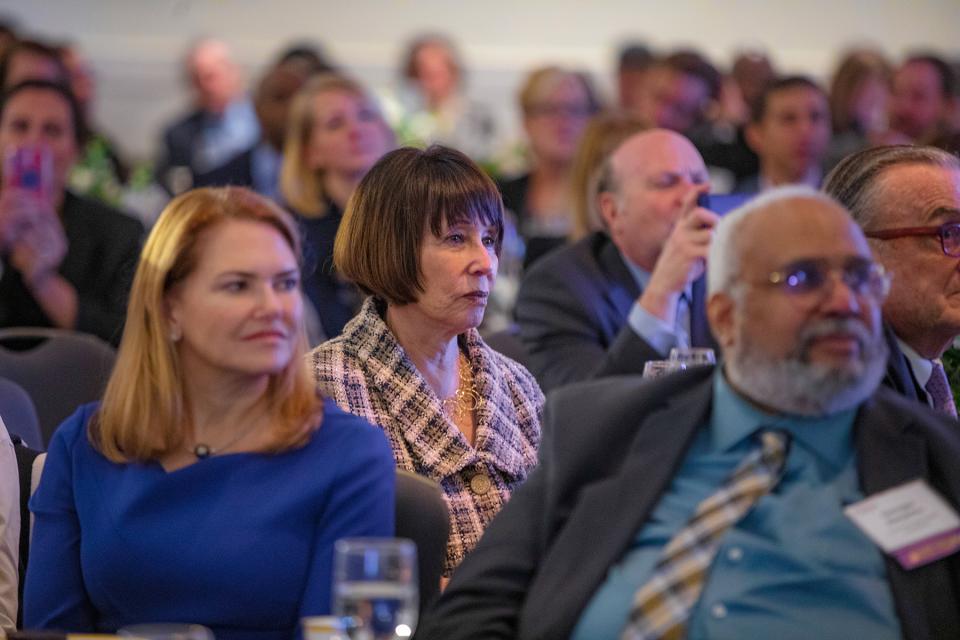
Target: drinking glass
(375,587)
(693,356)
(166,631)
(659,368)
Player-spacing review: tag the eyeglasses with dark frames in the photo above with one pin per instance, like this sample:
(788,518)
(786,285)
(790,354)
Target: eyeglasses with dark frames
(810,278)
(949,234)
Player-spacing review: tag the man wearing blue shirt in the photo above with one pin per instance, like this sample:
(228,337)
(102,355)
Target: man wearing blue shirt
(617,298)
(221,125)
(628,465)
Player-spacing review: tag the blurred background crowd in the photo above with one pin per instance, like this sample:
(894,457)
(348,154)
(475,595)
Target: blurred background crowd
(304,123)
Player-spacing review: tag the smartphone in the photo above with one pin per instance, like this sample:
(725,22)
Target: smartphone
(722,203)
(29,168)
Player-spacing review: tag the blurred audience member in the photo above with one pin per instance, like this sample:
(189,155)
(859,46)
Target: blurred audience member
(259,167)
(678,90)
(9,532)
(31,60)
(422,236)
(67,260)
(435,105)
(753,72)
(556,105)
(221,125)
(723,141)
(308,57)
(859,103)
(603,133)
(335,134)
(99,171)
(789,132)
(610,302)
(212,482)
(907,200)
(924,97)
(8,34)
(634,61)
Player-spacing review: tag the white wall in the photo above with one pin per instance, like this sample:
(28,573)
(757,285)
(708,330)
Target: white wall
(135,45)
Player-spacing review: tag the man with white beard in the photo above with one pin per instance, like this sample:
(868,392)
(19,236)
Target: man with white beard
(728,502)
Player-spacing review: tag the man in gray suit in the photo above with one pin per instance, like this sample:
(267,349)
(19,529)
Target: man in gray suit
(610,302)
(724,491)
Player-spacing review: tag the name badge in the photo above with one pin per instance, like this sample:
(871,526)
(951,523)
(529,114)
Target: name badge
(910,522)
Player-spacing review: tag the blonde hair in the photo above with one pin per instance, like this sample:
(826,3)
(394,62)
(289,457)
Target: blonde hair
(603,134)
(301,186)
(145,414)
(541,82)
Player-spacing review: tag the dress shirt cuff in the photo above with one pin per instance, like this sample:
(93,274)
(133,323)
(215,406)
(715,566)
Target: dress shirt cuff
(657,333)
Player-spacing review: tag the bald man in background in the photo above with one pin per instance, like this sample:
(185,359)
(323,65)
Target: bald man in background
(618,298)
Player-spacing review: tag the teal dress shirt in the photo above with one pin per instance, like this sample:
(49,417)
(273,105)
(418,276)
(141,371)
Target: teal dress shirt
(793,565)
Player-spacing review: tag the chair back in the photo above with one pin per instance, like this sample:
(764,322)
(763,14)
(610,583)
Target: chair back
(60,370)
(422,517)
(27,470)
(19,414)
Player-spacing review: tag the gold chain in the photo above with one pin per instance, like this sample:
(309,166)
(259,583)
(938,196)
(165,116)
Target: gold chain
(466,398)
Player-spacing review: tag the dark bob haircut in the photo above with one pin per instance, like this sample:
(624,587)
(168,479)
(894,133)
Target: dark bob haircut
(406,193)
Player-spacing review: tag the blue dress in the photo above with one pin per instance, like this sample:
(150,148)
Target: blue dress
(241,543)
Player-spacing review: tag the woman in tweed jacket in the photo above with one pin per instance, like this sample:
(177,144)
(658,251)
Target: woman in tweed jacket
(422,235)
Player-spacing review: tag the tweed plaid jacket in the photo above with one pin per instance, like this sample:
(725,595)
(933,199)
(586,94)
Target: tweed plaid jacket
(367,373)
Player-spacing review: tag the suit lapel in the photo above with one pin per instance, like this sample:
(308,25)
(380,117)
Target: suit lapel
(700,334)
(620,286)
(899,376)
(608,514)
(890,454)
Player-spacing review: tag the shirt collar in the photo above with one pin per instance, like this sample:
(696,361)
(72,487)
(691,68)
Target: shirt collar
(813,179)
(921,367)
(642,277)
(735,419)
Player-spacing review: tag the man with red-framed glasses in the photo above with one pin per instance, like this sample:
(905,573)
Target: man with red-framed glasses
(907,200)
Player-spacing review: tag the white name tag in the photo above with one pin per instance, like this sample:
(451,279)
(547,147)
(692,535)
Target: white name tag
(910,522)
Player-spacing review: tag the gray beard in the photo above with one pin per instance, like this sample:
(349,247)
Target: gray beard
(797,386)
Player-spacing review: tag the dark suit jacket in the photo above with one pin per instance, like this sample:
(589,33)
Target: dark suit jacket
(610,450)
(899,375)
(514,192)
(572,311)
(238,171)
(103,245)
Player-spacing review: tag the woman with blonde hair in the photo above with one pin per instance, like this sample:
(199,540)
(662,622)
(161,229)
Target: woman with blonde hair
(335,134)
(556,104)
(210,484)
(602,135)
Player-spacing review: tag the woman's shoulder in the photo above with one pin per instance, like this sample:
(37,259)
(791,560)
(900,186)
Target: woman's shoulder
(346,428)
(73,430)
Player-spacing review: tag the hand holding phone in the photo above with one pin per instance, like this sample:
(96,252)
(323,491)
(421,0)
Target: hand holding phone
(29,168)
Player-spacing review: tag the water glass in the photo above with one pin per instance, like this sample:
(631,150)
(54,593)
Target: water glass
(166,631)
(693,356)
(375,587)
(659,368)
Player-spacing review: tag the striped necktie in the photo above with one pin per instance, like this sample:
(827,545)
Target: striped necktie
(661,607)
(939,389)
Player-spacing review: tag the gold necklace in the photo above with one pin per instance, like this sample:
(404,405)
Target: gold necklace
(466,398)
